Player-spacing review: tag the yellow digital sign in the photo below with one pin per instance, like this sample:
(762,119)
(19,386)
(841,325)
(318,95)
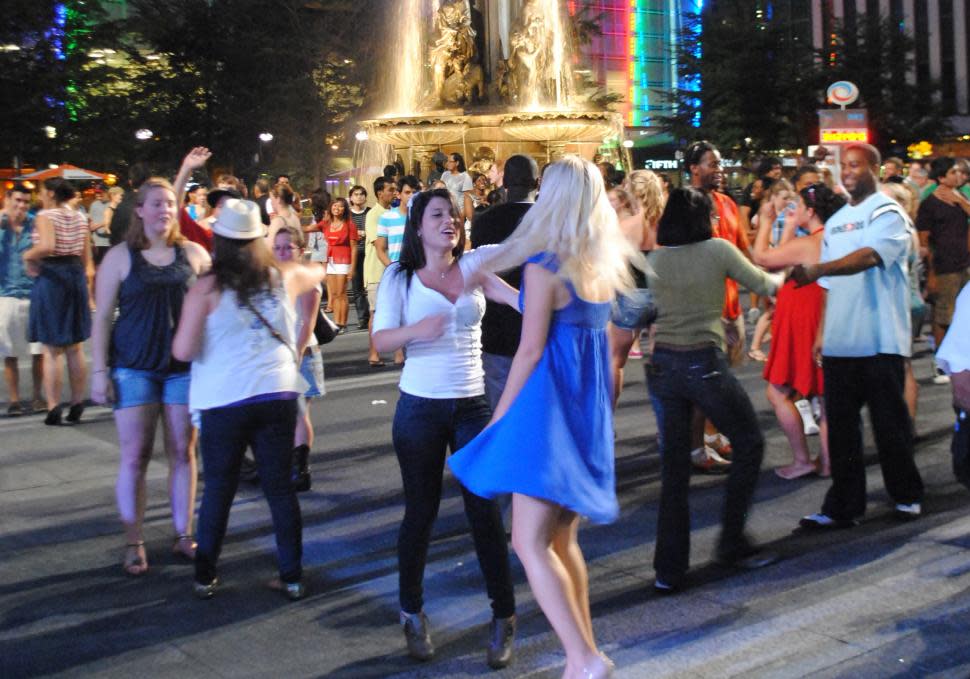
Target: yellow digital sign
(844,136)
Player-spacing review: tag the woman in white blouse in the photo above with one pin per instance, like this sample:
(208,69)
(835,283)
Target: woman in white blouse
(431,304)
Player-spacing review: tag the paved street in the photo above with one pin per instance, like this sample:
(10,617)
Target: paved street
(881,600)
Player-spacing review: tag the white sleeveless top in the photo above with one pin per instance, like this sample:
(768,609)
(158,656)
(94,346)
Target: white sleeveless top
(240,358)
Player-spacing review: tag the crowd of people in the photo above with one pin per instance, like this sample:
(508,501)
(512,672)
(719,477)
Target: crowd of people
(513,298)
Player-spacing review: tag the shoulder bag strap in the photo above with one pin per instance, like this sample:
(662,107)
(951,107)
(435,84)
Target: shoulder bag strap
(272,331)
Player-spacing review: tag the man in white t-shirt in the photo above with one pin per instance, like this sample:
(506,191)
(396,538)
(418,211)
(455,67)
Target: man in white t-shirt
(457,179)
(866,337)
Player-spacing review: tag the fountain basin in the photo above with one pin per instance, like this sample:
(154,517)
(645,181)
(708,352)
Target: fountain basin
(545,135)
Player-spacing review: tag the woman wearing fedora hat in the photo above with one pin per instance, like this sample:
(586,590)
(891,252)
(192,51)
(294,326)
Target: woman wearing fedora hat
(146,279)
(238,327)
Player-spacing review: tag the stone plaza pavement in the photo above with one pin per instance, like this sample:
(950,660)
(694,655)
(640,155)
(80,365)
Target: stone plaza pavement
(882,600)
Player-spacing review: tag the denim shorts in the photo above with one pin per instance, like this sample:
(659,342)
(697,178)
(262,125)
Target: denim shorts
(634,310)
(143,387)
(311,367)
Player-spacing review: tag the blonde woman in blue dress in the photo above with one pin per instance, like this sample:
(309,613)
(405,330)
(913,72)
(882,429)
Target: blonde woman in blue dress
(558,399)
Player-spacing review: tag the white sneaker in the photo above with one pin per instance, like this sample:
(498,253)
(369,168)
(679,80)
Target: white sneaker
(808,420)
(753,314)
(908,512)
(940,377)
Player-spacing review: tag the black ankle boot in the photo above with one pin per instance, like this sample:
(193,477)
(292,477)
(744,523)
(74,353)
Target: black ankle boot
(301,468)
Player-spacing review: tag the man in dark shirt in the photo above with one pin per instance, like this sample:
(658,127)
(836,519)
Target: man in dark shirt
(502,325)
(942,225)
(138,174)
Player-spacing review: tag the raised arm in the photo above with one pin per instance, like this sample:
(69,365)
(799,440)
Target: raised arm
(193,160)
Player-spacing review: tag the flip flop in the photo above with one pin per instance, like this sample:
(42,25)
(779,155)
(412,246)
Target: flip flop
(792,475)
(137,566)
(377,364)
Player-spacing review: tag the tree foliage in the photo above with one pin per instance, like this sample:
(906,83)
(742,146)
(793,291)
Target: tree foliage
(764,82)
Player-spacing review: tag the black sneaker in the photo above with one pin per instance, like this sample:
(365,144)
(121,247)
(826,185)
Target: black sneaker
(417,636)
(748,558)
(204,590)
(823,522)
(15,410)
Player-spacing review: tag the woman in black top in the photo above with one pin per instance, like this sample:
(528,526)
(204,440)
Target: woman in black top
(146,279)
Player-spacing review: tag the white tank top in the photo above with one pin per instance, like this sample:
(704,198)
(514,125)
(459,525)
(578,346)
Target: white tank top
(240,358)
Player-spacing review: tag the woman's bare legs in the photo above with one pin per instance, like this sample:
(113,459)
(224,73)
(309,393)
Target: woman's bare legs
(53,380)
(304,428)
(791,424)
(337,284)
(181,474)
(620,342)
(77,372)
(136,435)
(544,537)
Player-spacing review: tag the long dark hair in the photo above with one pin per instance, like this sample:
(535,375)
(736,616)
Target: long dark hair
(243,266)
(823,200)
(346,215)
(412,253)
(686,217)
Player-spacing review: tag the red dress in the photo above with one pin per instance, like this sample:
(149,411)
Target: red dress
(798,311)
(340,242)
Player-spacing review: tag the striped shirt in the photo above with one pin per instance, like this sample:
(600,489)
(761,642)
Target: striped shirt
(70,231)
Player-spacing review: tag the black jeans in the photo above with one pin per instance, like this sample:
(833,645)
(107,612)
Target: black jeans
(679,381)
(358,292)
(876,381)
(225,433)
(423,429)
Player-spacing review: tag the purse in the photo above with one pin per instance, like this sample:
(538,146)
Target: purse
(325,329)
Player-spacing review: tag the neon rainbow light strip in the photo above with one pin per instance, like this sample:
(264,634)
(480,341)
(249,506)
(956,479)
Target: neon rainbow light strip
(636,58)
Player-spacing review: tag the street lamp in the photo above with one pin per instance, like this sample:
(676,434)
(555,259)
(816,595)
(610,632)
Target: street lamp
(264,138)
(144,134)
(361,135)
(50,131)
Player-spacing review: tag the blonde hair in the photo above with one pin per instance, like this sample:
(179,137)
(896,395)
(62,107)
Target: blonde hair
(116,191)
(136,238)
(574,221)
(902,194)
(778,186)
(649,192)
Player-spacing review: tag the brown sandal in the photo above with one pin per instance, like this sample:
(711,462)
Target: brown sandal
(138,565)
(185,546)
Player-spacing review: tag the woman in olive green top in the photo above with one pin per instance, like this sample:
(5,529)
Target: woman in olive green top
(686,276)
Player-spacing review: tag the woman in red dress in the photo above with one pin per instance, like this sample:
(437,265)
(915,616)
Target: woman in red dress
(792,368)
(341,237)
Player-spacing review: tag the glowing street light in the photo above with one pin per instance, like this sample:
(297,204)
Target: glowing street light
(265,137)
(144,134)
(50,131)
(362,135)
(628,143)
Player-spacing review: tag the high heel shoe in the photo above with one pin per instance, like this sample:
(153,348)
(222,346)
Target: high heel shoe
(184,546)
(74,414)
(601,668)
(53,418)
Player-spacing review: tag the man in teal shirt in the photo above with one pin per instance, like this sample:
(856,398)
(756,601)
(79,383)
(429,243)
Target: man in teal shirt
(16,228)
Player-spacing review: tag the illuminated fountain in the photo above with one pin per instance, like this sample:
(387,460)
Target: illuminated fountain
(487,79)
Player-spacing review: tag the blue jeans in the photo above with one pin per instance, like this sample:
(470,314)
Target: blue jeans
(226,432)
(679,381)
(142,387)
(424,428)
